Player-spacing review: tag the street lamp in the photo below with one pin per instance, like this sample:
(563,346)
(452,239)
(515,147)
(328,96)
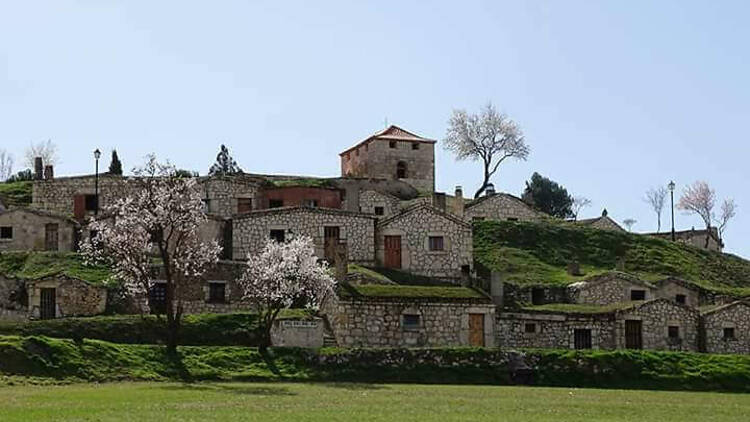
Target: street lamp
(97,154)
(670,186)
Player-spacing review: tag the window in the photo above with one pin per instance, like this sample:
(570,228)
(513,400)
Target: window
(512,219)
(206,205)
(637,295)
(313,203)
(392,144)
(275,203)
(410,322)
(244,205)
(529,328)
(158,297)
(436,243)
(379,211)
(401,170)
(217,292)
(277,235)
(582,338)
(729,333)
(91,202)
(6,232)
(681,299)
(415,146)
(673,331)
(537,296)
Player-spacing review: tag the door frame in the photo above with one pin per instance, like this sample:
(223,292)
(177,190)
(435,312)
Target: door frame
(392,257)
(473,318)
(633,340)
(50,294)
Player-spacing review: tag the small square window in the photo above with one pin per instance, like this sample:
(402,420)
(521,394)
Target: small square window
(411,321)
(637,295)
(217,292)
(244,205)
(392,144)
(673,331)
(6,232)
(529,328)
(277,235)
(91,202)
(681,299)
(379,211)
(436,243)
(729,333)
(415,146)
(275,203)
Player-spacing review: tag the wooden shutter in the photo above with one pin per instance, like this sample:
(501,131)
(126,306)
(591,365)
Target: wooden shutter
(79,206)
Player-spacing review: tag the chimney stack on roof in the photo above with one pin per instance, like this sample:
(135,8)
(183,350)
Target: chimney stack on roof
(490,189)
(49,172)
(38,168)
(458,202)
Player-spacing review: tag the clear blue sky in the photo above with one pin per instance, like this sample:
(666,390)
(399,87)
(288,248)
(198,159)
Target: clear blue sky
(614,97)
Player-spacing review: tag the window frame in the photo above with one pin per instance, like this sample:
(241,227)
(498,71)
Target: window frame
(4,230)
(415,146)
(436,243)
(90,202)
(529,328)
(632,291)
(728,330)
(379,210)
(282,239)
(416,323)
(680,298)
(673,331)
(392,144)
(211,292)
(275,203)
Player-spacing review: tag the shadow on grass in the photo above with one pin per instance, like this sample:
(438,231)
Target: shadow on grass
(251,390)
(354,386)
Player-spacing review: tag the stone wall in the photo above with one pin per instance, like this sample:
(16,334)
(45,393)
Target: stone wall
(73,297)
(534,295)
(608,288)
(297,196)
(298,333)
(373,323)
(221,193)
(416,226)
(13,298)
(251,231)
(553,330)
(370,199)
(735,316)
(501,206)
(669,289)
(30,227)
(656,317)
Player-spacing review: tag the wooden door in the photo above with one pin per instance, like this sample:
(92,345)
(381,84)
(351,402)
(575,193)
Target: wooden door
(331,235)
(633,334)
(476,330)
(51,237)
(47,303)
(392,252)
(79,206)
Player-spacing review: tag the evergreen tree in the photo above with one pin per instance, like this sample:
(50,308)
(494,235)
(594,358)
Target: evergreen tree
(225,164)
(547,196)
(115,166)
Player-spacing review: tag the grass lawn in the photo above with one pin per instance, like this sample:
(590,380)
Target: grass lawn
(348,402)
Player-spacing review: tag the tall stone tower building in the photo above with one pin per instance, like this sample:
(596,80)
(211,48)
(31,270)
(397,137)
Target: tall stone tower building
(393,154)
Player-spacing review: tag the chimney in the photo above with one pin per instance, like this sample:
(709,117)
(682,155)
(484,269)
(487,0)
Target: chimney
(438,200)
(604,212)
(458,202)
(490,190)
(38,168)
(497,288)
(49,172)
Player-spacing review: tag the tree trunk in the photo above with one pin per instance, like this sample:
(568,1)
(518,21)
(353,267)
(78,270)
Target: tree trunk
(485,181)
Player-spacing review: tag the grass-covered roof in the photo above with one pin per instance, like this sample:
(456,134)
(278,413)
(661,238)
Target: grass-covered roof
(36,265)
(538,253)
(16,194)
(408,292)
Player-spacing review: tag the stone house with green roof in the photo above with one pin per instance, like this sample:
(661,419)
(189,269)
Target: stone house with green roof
(28,229)
(726,328)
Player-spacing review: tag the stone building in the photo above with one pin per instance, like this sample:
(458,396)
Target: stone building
(703,239)
(379,204)
(63,296)
(395,154)
(426,241)
(372,319)
(28,229)
(555,330)
(680,291)
(602,223)
(726,328)
(327,227)
(609,288)
(501,206)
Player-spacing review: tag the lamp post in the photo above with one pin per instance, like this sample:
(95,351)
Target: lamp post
(671,195)
(97,154)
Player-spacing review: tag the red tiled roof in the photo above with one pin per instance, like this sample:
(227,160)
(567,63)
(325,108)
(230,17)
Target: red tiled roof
(393,133)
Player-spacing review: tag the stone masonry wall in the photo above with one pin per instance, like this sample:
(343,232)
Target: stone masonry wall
(73,297)
(377,159)
(501,207)
(415,227)
(370,199)
(251,231)
(670,289)
(554,331)
(379,324)
(656,316)
(29,231)
(607,289)
(735,316)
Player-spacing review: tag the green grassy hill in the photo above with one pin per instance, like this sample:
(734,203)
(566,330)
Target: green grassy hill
(538,253)
(16,193)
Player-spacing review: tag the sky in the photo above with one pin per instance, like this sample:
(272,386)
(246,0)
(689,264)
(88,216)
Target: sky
(614,97)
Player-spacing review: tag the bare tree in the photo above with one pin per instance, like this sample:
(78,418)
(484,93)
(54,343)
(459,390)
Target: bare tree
(6,165)
(699,199)
(728,210)
(489,136)
(47,150)
(579,203)
(629,223)
(656,198)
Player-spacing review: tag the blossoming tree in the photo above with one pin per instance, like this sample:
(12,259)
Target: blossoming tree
(160,220)
(282,274)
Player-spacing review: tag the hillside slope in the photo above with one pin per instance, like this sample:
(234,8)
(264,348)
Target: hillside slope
(538,253)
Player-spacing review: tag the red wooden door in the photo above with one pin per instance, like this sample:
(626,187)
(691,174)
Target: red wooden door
(392,252)
(79,206)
